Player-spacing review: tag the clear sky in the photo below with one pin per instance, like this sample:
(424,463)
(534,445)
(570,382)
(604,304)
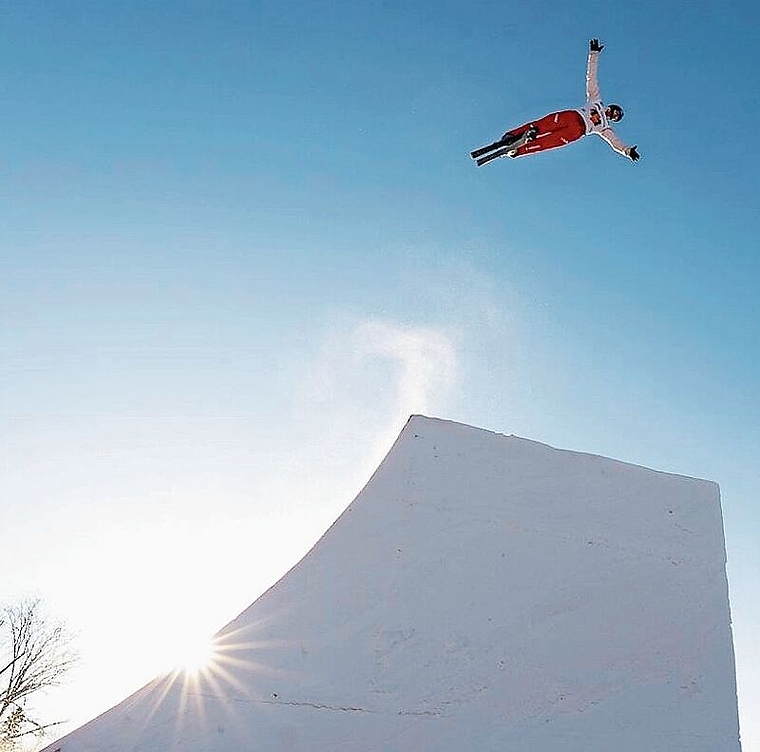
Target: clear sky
(240,242)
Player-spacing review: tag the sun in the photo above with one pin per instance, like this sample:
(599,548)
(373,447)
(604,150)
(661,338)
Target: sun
(193,654)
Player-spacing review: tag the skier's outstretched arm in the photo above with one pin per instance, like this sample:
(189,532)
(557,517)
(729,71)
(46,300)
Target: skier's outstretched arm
(592,82)
(612,139)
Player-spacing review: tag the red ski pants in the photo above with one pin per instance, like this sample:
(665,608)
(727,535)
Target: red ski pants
(554,130)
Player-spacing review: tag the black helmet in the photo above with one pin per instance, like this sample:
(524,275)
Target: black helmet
(614,112)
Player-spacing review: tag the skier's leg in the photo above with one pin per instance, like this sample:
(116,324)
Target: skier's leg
(516,133)
(543,125)
(517,136)
(570,125)
(555,130)
(549,132)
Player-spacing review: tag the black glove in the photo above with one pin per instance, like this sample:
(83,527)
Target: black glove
(633,154)
(594,46)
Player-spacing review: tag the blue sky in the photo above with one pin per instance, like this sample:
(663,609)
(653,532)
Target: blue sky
(241,242)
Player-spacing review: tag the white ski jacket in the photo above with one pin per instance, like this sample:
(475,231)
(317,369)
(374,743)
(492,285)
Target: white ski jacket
(594,112)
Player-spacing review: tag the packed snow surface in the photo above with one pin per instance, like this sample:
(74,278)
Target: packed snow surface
(483,592)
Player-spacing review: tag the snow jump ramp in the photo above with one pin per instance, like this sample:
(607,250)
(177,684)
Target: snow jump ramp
(483,592)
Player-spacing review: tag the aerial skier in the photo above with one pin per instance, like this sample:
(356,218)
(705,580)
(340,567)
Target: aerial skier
(561,128)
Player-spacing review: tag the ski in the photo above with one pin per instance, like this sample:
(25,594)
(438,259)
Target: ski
(496,154)
(485,149)
(512,143)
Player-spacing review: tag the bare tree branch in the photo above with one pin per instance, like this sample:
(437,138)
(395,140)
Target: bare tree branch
(35,654)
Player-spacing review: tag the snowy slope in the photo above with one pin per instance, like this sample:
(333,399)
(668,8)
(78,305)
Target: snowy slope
(483,592)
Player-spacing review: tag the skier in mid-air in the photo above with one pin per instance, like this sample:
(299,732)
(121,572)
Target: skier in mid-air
(561,128)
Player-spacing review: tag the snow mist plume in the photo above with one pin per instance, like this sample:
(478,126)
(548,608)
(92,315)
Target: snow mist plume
(425,357)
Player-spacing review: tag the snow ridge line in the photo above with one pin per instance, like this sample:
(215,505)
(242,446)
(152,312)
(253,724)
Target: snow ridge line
(318,706)
(349,709)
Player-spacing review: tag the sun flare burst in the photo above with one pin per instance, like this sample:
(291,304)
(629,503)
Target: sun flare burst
(194,654)
(206,673)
